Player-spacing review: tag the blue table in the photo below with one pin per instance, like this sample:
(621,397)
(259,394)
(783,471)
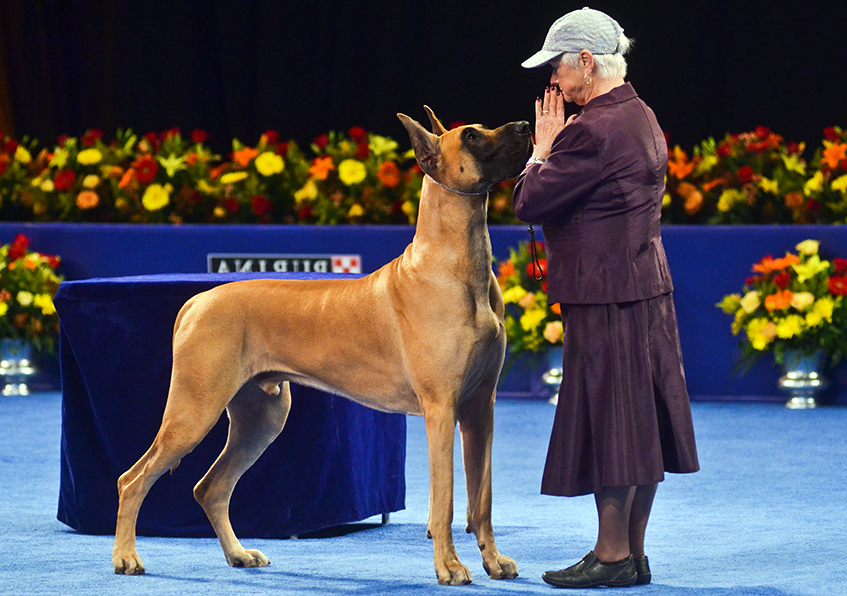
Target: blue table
(335,462)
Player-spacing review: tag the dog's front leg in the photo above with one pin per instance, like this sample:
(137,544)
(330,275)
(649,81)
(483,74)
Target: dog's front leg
(440,429)
(476,422)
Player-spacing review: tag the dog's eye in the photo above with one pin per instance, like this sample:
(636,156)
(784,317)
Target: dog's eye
(470,135)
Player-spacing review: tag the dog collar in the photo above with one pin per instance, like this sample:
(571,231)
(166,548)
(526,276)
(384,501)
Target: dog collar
(458,192)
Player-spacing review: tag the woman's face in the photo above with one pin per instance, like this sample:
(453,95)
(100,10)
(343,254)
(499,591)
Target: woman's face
(571,82)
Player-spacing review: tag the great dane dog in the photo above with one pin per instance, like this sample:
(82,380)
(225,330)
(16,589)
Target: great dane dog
(424,336)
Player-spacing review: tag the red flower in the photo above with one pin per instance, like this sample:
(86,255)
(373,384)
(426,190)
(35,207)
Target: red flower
(231,205)
(18,247)
(321,141)
(3,166)
(362,151)
(840,266)
(153,140)
(813,205)
(358,134)
(763,132)
(305,212)
(838,285)
(91,136)
(271,137)
(782,280)
(793,147)
(63,179)
(752,280)
(532,268)
(745,174)
(199,136)
(724,150)
(52,260)
(10,146)
(171,132)
(145,169)
(61,140)
(830,133)
(261,205)
(281,149)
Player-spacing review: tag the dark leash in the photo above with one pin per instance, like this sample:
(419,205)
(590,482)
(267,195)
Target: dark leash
(533,254)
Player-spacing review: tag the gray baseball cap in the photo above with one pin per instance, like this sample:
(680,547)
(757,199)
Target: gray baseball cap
(585,29)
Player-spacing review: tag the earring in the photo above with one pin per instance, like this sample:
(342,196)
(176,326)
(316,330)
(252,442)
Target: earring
(586,78)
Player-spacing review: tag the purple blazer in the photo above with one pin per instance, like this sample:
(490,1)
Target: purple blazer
(599,200)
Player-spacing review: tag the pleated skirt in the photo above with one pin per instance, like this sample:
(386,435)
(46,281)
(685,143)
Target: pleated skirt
(623,417)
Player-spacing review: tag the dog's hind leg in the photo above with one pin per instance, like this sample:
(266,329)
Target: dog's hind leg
(257,415)
(476,423)
(184,424)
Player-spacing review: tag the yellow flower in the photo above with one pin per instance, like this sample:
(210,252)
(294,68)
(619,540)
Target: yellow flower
(269,163)
(730,303)
(666,200)
(48,186)
(706,165)
(513,294)
(813,184)
(802,300)
(553,332)
(738,322)
(809,269)
(156,196)
(45,303)
(22,155)
(821,311)
(351,171)
(794,163)
(24,298)
(729,198)
(204,187)
(410,211)
(89,157)
(172,164)
(59,159)
(760,332)
(840,183)
(750,302)
(233,177)
(4,308)
(219,212)
(808,247)
(769,186)
(91,181)
(789,326)
(531,319)
(381,145)
(356,211)
(309,192)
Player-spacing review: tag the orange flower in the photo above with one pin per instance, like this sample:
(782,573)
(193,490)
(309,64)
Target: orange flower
(216,171)
(191,158)
(126,178)
(321,167)
(712,183)
(389,174)
(556,308)
(833,154)
(693,197)
(244,156)
(769,264)
(680,167)
(779,301)
(794,200)
(87,200)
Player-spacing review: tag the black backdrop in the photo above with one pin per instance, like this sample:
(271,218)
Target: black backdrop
(305,67)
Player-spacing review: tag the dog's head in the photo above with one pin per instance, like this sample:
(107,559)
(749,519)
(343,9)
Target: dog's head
(469,158)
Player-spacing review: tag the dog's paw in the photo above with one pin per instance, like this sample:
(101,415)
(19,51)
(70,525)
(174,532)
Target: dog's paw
(454,574)
(502,567)
(247,558)
(127,564)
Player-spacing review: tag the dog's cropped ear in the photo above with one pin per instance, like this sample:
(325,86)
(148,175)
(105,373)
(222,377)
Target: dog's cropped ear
(424,143)
(437,127)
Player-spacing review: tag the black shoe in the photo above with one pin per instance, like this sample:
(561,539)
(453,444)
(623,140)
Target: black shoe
(642,566)
(592,572)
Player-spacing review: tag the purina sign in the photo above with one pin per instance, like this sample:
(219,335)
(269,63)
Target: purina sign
(230,263)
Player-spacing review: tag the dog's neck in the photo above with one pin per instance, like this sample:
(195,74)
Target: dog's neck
(452,229)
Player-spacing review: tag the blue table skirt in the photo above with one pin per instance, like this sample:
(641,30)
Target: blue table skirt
(335,462)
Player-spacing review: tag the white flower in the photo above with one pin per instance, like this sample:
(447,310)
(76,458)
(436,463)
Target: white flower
(750,302)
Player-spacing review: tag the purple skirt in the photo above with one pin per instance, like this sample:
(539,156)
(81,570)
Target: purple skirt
(623,417)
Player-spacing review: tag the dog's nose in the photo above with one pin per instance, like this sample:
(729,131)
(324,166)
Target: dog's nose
(523,128)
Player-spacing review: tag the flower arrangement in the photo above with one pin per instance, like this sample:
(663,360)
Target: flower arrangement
(827,187)
(792,303)
(531,324)
(28,282)
(752,177)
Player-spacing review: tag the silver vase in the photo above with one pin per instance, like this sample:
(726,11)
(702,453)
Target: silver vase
(553,376)
(16,366)
(803,380)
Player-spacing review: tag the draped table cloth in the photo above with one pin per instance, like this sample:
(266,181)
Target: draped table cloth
(335,462)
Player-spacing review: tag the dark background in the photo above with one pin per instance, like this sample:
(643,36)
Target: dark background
(236,69)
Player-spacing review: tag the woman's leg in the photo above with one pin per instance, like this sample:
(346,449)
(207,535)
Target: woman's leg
(642,503)
(614,505)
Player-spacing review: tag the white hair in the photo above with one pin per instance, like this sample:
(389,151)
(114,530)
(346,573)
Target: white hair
(606,66)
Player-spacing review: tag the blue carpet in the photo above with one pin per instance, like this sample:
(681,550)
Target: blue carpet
(766,515)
